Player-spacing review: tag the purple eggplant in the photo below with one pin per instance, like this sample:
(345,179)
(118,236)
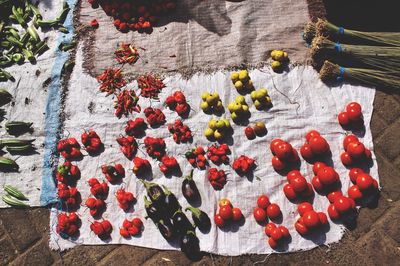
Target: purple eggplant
(166,229)
(155,192)
(189,188)
(200,219)
(181,223)
(190,244)
(170,202)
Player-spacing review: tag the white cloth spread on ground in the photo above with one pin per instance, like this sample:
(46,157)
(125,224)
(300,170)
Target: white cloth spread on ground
(314,106)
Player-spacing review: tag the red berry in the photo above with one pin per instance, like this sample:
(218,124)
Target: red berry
(273,211)
(263,202)
(259,214)
(343,119)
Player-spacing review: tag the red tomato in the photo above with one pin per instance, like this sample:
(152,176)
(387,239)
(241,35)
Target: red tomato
(224,202)
(333,196)
(354,173)
(260,215)
(312,134)
(346,159)
(226,212)
(343,119)
(283,150)
(294,156)
(364,181)
(308,192)
(327,175)
(356,149)
(278,164)
(311,219)
(299,184)
(342,204)
(285,231)
(263,202)
(219,221)
(300,227)
(354,111)
(272,243)
(319,145)
(276,234)
(354,193)
(304,207)
(348,139)
(306,152)
(323,220)
(273,211)
(317,184)
(332,212)
(268,228)
(292,175)
(236,214)
(289,192)
(368,154)
(275,144)
(318,166)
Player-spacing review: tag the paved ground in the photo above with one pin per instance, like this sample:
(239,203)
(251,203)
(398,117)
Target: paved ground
(375,240)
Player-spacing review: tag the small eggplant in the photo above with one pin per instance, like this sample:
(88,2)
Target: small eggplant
(166,229)
(152,212)
(190,244)
(189,188)
(181,222)
(154,191)
(200,219)
(171,203)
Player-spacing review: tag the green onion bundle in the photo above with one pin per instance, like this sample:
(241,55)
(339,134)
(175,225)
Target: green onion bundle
(388,79)
(375,57)
(309,32)
(325,28)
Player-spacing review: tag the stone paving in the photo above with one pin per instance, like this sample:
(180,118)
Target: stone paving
(375,239)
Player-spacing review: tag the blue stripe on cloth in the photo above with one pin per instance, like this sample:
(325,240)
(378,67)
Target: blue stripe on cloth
(52,118)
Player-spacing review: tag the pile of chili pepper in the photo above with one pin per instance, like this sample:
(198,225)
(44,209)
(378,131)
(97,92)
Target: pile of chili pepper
(70,149)
(96,206)
(98,190)
(155,147)
(168,164)
(150,86)
(91,141)
(111,80)
(164,210)
(68,224)
(180,132)
(196,157)
(177,101)
(137,15)
(140,166)
(135,127)
(125,199)
(126,54)
(102,229)
(126,103)
(218,154)
(70,196)
(131,228)
(217,178)
(67,173)
(155,117)
(243,165)
(113,174)
(128,146)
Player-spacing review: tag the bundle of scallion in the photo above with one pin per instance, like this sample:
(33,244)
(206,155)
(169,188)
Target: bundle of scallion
(334,32)
(378,78)
(309,32)
(375,57)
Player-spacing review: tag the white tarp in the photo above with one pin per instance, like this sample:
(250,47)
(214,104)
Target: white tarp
(317,108)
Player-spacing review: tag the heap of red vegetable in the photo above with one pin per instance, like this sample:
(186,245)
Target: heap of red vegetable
(91,141)
(131,228)
(111,80)
(68,173)
(136,127)
(126,103)
(177,102)
(196,157)
(68,224)
(125,199)
(137,15)
(114,174)
(70,149)
(126,53)
(181,133)
(150,86)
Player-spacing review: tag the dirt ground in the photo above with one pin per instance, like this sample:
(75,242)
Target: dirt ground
(375,240)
